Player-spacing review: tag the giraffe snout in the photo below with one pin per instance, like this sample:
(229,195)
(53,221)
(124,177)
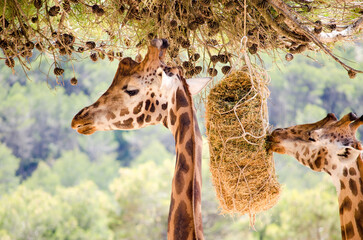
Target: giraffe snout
(83,123)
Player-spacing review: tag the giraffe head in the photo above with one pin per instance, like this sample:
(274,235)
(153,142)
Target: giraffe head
(321,146)
(138,96)
(331,146)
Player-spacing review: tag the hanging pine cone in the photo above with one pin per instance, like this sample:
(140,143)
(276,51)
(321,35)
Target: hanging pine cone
(110,55)
(214,59)
(34,19)
(91,44)
(3,44)
(73,81)
(193,26)
(301,48)
(229,6)
(58,71)
(213,25)
(226,69)
(289,57)
(10,62)
(29,45)
(212,72)
(66,6)
(100,12)
(195,57)
(122,9)
(352,74)
(223,58)
(39,46)
(67,39)
(173,23)
(253,49)
(38,4)
(151,36)
(101,55)
(53,11)
(187,65)
(127,42)
(80,50)
(94,57)
(198,69)
(200,20)
(95,8)
(119,54)
(185,44)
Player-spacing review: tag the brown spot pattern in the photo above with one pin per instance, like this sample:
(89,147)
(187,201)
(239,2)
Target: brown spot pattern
(358,217)
(140,119)
(147,104)
(353,187)
(182,221)
(342,185)
(152,108)
(124,112)
(184,124)
(159,117)
(352,171)
(189,146)
(345,171)
(110,115)
(181,100)
(182,167)
(164,106)
(172,117)
(171,209)
(346,205)
(148,118)
(126,124)
(137,109)
(348,231)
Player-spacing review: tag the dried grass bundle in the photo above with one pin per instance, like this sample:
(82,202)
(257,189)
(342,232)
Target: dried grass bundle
(242,169)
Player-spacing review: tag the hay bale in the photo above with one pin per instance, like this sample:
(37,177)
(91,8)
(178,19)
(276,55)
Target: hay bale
(242,170)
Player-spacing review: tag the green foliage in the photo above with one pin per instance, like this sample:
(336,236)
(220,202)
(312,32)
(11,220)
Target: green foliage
(72,213)
(8,165)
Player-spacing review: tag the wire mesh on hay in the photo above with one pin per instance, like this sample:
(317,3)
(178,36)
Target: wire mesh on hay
(242,169)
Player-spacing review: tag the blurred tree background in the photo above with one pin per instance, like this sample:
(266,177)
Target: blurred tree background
(58,184)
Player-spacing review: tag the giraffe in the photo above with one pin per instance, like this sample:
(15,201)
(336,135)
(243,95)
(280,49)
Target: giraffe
(150,93)
(330,146)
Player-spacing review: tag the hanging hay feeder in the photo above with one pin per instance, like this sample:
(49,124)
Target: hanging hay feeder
(242,169)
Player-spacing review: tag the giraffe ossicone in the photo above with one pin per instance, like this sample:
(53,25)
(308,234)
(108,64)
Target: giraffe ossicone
(149,93)
(330,145)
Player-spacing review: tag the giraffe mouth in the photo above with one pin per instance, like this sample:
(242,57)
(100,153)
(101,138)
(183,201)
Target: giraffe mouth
(86,129)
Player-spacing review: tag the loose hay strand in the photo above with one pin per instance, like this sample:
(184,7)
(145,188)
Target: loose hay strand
(242,170)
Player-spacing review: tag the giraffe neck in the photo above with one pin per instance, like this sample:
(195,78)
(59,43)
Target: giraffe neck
(351,200)
(185,220)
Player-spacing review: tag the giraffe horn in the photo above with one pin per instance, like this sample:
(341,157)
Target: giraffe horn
(327,120)
(355,125)
(156,52)
(346,120)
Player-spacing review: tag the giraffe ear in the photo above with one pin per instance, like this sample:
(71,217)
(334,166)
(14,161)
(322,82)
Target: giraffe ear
(166,81)
(197,84)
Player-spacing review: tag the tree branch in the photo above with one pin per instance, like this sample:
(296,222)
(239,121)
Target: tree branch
(349,31)
(294,18)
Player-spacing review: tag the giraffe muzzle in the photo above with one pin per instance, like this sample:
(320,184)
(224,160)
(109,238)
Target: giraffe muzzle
(82,122)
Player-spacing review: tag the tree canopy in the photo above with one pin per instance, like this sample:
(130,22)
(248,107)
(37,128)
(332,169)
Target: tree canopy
(201,33)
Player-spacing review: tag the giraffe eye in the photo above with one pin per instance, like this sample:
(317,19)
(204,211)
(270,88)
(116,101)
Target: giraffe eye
(132,92)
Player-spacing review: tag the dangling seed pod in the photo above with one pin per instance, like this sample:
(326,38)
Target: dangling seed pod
(66,6)
(29,45)
(226,69)
(58,71)
(185,44)
(10,62)
(352,74)
(174,52)
(213,25)
(199,20)
(80,50)
(119,54)
(138,58)
(38,4)
(100,12)
(53,11)
(301,48)
(318,27)
(253,49)
(151,36)
(212,42)
(214,59)
(198,69)
(195,57)
(3,44)
(39,46)
(190,73)
(62,51)
(94,57)
(193,26)
(67,39)
(223,58)
(332,26)
(122,9)
(173,23)
(229,6)
(34,19)
(95,8)
(91,44)
(54,34)
(127,42)
(73,81)
(212,72)
(289,57)
(110,55)
(187,65)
